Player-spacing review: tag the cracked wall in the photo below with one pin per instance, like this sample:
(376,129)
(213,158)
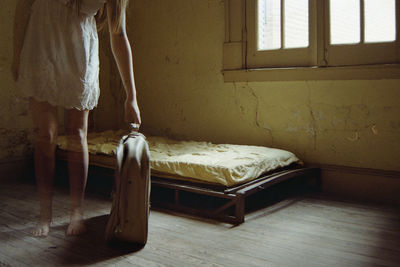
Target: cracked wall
(352,123)
(178,51)
(178,62)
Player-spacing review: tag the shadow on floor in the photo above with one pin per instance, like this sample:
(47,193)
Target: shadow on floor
(92,248)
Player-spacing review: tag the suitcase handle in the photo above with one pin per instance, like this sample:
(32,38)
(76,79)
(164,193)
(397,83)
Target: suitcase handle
(134,127)
(134,130)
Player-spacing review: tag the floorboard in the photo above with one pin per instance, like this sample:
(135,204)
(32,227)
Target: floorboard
(302,230)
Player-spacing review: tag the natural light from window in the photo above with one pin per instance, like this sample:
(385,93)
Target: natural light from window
(380,20)
(295,23)
(269,24)
(284,24)
(345,21)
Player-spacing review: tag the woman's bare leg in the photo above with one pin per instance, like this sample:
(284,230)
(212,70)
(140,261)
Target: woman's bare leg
(78,161)
(45,120)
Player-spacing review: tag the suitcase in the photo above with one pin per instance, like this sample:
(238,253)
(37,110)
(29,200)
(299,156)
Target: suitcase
(128,221)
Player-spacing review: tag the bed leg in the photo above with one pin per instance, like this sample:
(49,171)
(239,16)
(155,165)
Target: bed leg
(176,198)
(317,180)
(318,183)
(240,209)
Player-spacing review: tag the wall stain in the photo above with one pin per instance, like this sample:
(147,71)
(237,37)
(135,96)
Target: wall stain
(15,143)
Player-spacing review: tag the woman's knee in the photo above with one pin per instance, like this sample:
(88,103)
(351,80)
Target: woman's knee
(45,121)
(46,132)
(46,140)
(77,134)
(76,139)
(77,125)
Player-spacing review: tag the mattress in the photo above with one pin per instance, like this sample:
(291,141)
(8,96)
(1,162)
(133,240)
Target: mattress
(223,164)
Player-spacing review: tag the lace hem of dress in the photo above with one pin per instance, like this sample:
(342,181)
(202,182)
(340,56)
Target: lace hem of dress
(56,104)
(42,86)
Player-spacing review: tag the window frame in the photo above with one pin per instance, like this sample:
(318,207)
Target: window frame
(240,45)
(291,57)
(363,53)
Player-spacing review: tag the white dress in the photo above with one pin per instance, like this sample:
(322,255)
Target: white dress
(59,59)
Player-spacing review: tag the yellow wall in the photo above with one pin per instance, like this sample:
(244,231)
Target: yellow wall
(15,123)
(178,62)
(178,50)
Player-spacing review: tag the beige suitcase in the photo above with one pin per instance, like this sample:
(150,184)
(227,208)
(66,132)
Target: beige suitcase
(128,221)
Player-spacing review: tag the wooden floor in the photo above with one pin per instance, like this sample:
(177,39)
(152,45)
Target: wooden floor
(298,231)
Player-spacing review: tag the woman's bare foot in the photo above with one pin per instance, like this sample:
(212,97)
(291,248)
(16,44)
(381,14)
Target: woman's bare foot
(43,226)
(42,229)
(77,225)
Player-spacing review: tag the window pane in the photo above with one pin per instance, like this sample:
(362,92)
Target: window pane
(269,24)
(380,20)
(296,23)
(345,21)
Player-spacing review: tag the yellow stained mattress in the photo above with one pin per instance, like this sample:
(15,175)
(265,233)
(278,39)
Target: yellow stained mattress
(224,164)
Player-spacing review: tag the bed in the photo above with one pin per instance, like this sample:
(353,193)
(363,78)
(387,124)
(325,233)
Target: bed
(219,176)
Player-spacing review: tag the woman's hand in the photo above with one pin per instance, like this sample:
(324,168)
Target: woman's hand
(132,112)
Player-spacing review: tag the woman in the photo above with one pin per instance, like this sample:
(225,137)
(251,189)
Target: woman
(56,64)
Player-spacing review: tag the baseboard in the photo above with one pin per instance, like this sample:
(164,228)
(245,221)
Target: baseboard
(16,169)
(381,186)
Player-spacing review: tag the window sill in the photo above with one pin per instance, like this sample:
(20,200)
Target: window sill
(371,72)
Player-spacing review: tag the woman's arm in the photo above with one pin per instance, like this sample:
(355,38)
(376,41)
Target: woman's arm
(123,56)
(21,19)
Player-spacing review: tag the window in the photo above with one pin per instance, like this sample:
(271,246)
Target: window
(277,29)
(311,33)
(281,33)
(362,32)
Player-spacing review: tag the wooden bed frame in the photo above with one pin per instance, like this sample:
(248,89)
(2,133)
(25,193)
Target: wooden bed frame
(227,203)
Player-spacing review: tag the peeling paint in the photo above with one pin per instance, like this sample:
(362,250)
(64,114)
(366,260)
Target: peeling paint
(395,125)
(292,129)
(374,130)
(15,143)
(356,137)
